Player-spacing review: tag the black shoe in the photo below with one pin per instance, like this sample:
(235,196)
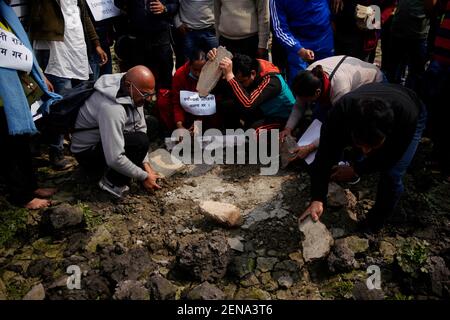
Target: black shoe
(57,160)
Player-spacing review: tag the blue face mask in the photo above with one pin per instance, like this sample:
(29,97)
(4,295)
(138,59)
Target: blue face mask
(192,76)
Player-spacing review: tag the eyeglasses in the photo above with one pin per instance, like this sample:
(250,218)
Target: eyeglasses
(145,95)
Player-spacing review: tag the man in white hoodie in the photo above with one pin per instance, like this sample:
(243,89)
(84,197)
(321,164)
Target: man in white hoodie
(110,130)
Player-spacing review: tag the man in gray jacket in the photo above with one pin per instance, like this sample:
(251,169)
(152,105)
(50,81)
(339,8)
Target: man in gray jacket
(110,130)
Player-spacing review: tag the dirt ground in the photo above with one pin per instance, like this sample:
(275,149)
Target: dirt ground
(159,246)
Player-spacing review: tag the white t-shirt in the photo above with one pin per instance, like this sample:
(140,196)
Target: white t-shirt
(69,58)
(351,74)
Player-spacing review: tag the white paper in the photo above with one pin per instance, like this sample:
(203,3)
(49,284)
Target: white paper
(311,134)
(34,110)
(198,106)
(13,53)
(103,9)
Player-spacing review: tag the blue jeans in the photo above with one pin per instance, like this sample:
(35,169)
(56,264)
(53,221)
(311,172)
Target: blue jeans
(390,186)
(323,48)
(204,39)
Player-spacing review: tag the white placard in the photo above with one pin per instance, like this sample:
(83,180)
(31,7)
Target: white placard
(311,134)
(34,110)
(103,9)
(198,106)
(13,53)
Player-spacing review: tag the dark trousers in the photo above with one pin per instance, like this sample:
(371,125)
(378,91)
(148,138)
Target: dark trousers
(154,52)
(15,164)
(248,46)
(435,89)
(93,160)
(390,186)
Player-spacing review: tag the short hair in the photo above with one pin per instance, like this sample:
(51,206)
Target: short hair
(197,55)
(373,121)
(244,64)
(306,82)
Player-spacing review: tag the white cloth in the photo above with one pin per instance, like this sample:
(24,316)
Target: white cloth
(69,58)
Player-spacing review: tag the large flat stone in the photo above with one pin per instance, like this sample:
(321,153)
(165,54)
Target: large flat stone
(221,212)
(164,163)
(318,239)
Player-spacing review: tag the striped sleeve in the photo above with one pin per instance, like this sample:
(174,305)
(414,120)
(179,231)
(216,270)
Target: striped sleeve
(247,100)
(281,27)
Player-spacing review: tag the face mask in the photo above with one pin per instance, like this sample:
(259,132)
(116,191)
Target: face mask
(192,76)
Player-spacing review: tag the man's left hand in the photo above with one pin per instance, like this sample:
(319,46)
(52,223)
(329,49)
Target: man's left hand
(227,68)
(102,55)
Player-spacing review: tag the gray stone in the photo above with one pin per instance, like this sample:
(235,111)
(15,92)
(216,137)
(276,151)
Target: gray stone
(249,280)
(337,232)
(3,293)
(131,290)
(336,196)
(204,257)
(285,282)
(36,293)
(362,292)
(387,251)
(223,213)
(164,163)
(356,244)
(161,288)
(211,72)
(439,276)
(61,217)
(265,264)
(318,239)
(242,265)
(342,258)
(252,294)
(205,291)
(102,237)
(236,244)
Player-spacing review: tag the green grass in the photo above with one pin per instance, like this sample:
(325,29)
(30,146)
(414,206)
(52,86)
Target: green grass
(12,221)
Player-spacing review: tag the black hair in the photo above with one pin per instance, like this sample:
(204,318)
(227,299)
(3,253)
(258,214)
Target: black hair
(197,55)
(373,121)
(244,65)
(306,82)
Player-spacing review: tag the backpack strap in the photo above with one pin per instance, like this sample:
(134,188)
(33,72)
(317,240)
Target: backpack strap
(337,67)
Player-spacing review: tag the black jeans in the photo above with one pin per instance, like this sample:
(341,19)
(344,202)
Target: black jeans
(154,52)
(93,160)
(15,164)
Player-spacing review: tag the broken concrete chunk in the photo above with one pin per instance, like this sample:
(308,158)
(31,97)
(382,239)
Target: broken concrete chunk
(236,244)
(318,239)
(211,72)
(36,293)
(224,213)
(164,163)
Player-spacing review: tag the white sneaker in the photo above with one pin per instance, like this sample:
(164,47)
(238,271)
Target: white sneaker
(116,191)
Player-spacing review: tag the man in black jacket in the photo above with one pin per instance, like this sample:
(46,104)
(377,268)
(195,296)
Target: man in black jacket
(149,30)
(385,122)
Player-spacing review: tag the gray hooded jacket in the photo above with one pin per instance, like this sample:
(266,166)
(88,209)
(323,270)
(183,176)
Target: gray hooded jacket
(104,110)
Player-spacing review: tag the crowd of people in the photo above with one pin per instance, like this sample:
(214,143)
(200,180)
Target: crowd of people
(288,57)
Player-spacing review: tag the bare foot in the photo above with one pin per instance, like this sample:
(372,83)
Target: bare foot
(37,203)
(45,192)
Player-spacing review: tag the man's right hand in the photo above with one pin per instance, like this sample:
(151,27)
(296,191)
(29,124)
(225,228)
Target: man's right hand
(314,210)
(212,54)
(285,133)
(306,54)
(150,183)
